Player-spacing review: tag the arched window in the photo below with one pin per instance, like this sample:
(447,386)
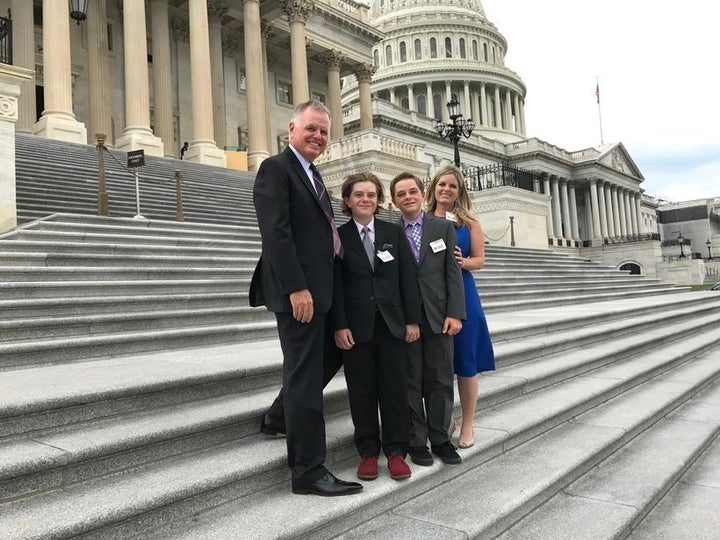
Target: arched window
(403,52)
(418,50)
(433,47)
(437,104)
(485,56)
(462,48)
(474,49)
(421,103)
(376,58)
(405,103)
(388,55)
(448,47)
(634,268)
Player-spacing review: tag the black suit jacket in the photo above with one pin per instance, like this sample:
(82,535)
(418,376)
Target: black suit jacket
(297,243)
(438,273)
(391,287)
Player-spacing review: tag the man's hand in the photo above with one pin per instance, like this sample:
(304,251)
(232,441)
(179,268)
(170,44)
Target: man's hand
(412,332)
(451,326)
(344,339)
(302,304)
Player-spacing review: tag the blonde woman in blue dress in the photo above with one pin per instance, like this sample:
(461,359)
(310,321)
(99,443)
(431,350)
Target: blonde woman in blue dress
(448,198)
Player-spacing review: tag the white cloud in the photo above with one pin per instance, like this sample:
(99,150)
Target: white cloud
(658,82)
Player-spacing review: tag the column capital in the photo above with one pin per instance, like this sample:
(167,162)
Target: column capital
(333,59)
(180,29)
(217,9)
(594,181)
(232,46)
(364,72)
(298,10)
(267,30)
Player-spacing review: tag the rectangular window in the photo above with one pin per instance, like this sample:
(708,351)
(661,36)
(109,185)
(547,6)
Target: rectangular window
(284,92)
(240,70)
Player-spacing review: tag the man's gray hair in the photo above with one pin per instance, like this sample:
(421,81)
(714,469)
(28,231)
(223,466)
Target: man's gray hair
(311,104)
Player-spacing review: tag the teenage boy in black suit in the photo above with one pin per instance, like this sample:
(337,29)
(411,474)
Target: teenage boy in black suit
(376,309)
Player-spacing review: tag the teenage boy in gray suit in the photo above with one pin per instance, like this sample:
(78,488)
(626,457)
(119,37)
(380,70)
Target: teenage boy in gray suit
(430,359)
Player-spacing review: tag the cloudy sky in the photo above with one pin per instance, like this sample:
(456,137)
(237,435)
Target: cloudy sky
(657,66)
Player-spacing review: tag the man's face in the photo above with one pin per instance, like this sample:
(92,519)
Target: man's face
(363,201)
(309,133)
(408,198)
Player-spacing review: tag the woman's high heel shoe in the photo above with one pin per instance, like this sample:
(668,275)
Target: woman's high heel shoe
(466,444)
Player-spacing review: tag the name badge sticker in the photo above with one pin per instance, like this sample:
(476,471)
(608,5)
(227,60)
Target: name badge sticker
(451,217)
(385,256)
(438,245)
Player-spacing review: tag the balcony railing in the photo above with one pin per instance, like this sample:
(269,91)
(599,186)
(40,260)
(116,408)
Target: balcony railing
(6,39)
(500,174)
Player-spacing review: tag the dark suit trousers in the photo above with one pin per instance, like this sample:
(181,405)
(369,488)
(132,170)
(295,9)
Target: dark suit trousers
(332,362)
(376,373)
(430,387)
(302,346)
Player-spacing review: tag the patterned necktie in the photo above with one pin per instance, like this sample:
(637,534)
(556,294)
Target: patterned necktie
(368,245)
(416,235)
(327,207)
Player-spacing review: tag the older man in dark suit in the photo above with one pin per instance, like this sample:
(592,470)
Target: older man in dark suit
(430,360)
(294,279)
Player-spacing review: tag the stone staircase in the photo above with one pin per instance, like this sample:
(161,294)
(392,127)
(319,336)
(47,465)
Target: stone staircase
(133,375)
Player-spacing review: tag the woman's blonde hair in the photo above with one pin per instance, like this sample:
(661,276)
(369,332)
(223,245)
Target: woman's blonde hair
(463,204)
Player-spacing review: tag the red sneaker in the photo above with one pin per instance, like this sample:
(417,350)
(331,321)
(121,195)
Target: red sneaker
(399,469)
(368,468)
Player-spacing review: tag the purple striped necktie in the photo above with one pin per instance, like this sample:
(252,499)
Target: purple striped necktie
(327,207)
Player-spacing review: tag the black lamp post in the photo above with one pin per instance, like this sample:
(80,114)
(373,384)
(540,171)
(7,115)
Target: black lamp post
(709,246)
(458,127)
(680,241)
(78,10)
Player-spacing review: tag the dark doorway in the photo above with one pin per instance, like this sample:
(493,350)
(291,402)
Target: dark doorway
(633,267)
(39,101)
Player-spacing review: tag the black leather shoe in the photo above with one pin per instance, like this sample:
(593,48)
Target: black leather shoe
(268,426)
(328,486)
(420,455)
(446,452)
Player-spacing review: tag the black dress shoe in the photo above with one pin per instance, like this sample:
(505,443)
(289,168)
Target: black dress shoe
(328,486)
(268,426)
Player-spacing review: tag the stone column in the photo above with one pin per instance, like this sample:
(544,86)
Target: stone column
(565,204)
(633,214)
(23,44)
(621,212)
(601,207)
(588,215)
(411,97)
(448,97)
(137,134)
(297,12)
(484,106)
(364,73)
(392,95)
(498,108)
(609,211)
(202,147)
(255,93)
(98,74)
(616,211)
(430,103)
(11,82)
(595,211)
(467,111)
(628,216)
(508,112)
(573,212)
(549,219)
(522,117)
(334,60)
(162,77)
(216,10)
(57,120)
(266,32)
(518,123)
(638,212)
(557,220)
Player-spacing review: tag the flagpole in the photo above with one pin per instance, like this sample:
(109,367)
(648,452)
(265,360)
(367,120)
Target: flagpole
(597,95)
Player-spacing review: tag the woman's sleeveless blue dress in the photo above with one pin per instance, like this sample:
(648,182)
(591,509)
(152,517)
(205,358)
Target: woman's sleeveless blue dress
(473,347)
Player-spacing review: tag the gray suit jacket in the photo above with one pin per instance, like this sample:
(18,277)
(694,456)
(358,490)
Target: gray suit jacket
(439,276)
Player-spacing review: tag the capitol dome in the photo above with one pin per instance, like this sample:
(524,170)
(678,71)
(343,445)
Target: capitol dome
(436,50)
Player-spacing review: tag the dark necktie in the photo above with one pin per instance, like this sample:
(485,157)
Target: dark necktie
(327,207)
(368,245)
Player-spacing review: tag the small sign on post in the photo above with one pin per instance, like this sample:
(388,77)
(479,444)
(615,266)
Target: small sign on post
(135,159)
